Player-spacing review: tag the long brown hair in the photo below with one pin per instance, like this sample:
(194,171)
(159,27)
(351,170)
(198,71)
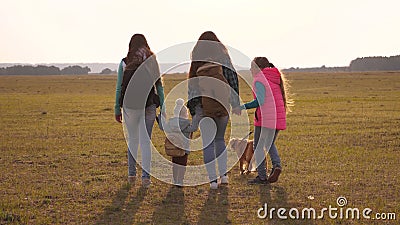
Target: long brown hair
(260,63)
(207,48)
(138,47)
(137,42)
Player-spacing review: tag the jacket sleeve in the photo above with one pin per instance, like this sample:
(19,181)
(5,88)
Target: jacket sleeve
(117,107)
(259,100)
(160,92)
(232,78)
(194,97)
(166,127)
(154,69)
(160,125)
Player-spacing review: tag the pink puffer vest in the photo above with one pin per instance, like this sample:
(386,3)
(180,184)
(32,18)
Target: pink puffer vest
(272,113)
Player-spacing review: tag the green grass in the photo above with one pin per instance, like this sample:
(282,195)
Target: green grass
(63,157)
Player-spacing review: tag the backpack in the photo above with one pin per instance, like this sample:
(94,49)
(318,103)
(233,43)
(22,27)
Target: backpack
(170,148)
(217,90)
(152,98)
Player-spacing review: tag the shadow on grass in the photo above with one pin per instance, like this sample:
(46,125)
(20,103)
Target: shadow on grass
(215,209)
(171,209)
(122,211)
(276,197)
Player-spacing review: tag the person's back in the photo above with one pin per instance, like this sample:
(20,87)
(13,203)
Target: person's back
(177,126)
(209,49)
(137,112)
(215,90)
(272,112)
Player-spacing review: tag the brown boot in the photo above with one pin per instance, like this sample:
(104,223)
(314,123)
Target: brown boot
(276,171)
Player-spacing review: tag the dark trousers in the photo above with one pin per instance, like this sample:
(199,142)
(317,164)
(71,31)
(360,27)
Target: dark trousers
(179,169)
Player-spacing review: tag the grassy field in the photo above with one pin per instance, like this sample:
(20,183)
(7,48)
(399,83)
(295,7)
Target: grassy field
(63,157)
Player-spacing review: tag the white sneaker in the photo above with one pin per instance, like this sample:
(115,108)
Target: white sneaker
(213,185)
(224,179)
(178,183)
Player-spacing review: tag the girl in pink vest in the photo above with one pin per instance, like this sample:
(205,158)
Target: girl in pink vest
(270,116)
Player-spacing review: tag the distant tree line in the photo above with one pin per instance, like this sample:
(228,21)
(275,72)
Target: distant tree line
(317,69)
(377,63)
(44,70)
(107,71)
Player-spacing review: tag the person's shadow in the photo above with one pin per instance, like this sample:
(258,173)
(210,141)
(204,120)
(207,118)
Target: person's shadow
(120,211)
(276,197)
(172,208)
(215,209)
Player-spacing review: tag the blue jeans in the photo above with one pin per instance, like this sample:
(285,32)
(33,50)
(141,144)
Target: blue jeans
(136,122)
(265,138)
(214,147)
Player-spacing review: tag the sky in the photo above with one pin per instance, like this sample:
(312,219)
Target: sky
(291,33)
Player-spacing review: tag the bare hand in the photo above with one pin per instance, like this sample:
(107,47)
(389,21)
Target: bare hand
(237,111)
(118,118)
(163,114)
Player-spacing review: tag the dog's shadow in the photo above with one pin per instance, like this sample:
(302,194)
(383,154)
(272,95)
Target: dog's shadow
(215,209)
(276,197)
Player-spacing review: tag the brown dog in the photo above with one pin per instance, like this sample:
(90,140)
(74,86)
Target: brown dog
(244,151)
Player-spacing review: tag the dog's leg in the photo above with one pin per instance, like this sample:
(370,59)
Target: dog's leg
(252,165)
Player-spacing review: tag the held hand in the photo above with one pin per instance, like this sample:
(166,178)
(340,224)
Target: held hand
(118,118)
(161,117)
(162,111)
(237,111)
(163,114)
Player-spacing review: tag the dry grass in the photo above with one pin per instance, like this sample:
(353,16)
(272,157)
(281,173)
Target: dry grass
(63,157)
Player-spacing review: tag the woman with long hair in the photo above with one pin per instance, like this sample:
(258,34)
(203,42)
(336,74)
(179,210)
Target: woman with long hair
(209,50)
(139,91)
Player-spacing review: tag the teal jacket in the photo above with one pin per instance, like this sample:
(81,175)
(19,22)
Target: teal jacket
(260,97)
(117,107)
